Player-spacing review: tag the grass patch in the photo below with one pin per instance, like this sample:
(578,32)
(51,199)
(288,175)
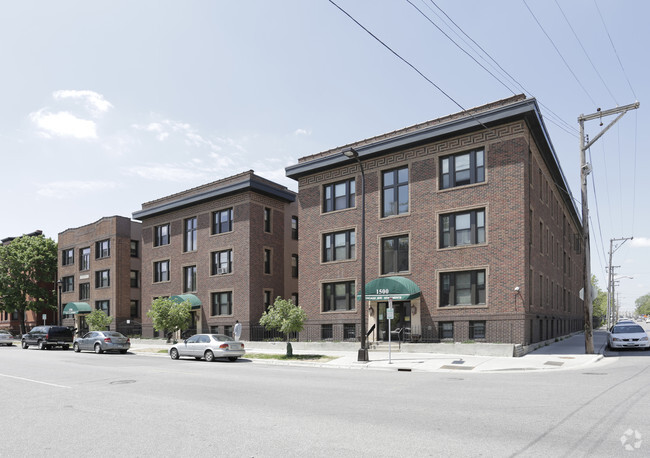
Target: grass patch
(284,357)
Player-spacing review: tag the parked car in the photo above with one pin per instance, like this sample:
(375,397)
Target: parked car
(208,346)
(6,338)
(647,320)
(101,341)
(46,337)
(627,335)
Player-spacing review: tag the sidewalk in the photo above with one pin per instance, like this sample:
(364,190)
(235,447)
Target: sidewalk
(565,354)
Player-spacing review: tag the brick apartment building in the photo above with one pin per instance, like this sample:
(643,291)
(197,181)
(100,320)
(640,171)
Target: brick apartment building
(99,268)
(230,247)
(470,229)
(11,321)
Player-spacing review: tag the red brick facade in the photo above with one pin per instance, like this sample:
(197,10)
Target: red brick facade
(526,206)
(248,195)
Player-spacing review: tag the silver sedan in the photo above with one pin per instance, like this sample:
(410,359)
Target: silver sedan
(101,341)
(208,346)
(6,338)
(627,335)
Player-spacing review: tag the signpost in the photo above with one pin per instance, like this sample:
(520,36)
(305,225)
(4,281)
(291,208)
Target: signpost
(390,314)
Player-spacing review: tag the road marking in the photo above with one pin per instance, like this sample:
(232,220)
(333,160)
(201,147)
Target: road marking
(35,381)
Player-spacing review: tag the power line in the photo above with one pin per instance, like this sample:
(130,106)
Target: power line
(615,52)
(585,51)
(560,54)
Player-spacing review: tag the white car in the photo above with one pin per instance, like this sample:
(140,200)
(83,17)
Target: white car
(208,346)
(627,335)
(6,338)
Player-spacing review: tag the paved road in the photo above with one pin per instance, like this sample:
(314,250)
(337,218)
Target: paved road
(65,404)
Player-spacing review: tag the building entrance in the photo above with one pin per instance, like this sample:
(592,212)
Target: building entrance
(400,325)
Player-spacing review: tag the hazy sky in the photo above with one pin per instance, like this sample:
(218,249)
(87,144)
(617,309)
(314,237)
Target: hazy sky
(105,105)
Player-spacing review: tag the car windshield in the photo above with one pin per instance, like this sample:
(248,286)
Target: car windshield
(627,329)
(222,338)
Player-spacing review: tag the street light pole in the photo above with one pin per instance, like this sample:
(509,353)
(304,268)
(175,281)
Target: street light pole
(363,351)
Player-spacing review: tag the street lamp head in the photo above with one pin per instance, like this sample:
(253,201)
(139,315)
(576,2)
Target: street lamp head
(351,153)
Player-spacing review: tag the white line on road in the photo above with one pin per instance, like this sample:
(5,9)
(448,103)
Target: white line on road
(34,381)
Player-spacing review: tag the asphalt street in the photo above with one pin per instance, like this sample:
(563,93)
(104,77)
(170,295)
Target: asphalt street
(62,403)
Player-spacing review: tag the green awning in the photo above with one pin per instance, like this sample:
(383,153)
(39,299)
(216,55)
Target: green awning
(73,308)
(194,301)
(395,288)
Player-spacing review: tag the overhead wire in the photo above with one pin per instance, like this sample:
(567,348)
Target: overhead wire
(561,56)
(552,117)
(585,51)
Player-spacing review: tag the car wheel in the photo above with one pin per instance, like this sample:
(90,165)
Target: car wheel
(24,344)
(98,349)
(66,347)
(232,358)
(41,345)
(76,348)
(209,356)
(173,353)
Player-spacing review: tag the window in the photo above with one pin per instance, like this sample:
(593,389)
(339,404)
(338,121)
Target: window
(102,249)
(84,259)
(294,265)
(227,330)
(189,279)
(222,221)
(466,228)
(294,227)
(190,235)
(67,284)
(339,245)
(103,305)
(462,288)
(395,254)
(135,251)
(267,219)
(338,296)
(349,331)
(135,309)
(135,279)
(222,262)
(338,196)
(267,299)
(294,298)
(326,332)
(462,169)
(221,303)
(161,235)
(267,261)
(67,257)
(446,329)
(477,330)
(102,279)
(84,291)
(161,271)
(395,192)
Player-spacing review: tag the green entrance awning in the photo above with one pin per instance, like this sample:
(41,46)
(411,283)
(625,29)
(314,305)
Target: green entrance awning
(194,301)
(395,288)
(73,308)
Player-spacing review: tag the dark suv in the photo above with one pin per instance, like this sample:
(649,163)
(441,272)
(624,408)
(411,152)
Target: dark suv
(46,337)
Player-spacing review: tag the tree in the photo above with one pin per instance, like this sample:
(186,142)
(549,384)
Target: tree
(286,317)
(643,305)
(27,271)
(169,315)
(600,303)
(98,320)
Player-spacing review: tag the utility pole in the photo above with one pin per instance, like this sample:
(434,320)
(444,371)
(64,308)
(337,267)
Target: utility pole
(585,169)
(610,276)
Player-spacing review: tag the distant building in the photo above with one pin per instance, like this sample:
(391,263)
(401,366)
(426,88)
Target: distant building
(229,247)
(100,268)
(471,231)
(11,321)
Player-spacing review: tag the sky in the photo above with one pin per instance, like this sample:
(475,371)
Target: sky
(105,105)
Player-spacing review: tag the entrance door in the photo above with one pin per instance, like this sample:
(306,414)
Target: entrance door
(400,325)
(191,330)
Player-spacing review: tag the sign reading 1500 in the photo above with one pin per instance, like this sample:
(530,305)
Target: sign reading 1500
(382,291)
